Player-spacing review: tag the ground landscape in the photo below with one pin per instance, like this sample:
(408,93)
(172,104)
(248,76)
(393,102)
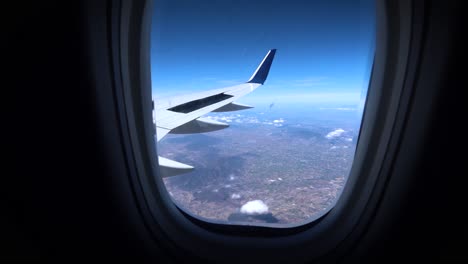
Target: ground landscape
(292,162)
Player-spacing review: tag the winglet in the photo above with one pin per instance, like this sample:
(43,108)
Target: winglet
(261,73)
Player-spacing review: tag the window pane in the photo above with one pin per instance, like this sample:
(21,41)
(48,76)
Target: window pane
(287,159)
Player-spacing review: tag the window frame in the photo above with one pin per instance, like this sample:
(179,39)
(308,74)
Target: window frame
(398,40)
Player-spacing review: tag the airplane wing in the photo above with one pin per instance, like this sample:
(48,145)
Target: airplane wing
(182,114)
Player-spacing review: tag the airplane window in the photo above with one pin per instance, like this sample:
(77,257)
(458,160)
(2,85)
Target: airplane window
(258,104)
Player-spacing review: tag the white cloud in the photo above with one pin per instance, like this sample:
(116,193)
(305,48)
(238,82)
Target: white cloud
(235,196)
(226,118)
(255,207)
(335,133)
(252,120)
(281,120)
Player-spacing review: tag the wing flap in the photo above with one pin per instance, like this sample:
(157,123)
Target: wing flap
(171,168)
(233,107)
(199,125)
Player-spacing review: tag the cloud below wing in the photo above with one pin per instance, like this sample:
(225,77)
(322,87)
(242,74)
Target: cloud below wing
(255,207)
(335,133)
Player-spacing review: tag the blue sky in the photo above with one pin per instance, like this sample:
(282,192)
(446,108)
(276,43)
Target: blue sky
(324,48)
